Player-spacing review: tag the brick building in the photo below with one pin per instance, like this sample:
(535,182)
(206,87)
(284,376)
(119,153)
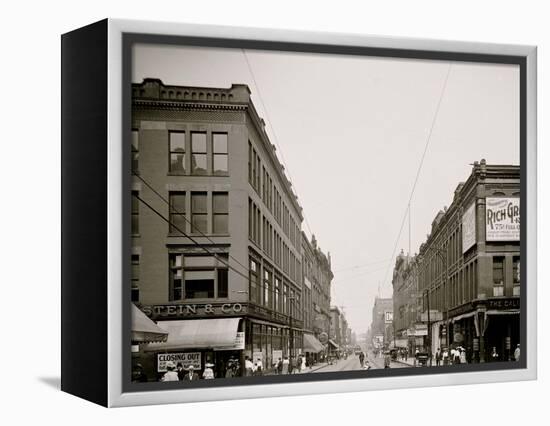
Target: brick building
(469,266)
(408,331)
(216,249)
(317,277)
(381,329)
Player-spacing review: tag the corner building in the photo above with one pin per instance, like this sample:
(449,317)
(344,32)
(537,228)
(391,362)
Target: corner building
(221,269)
(469,266)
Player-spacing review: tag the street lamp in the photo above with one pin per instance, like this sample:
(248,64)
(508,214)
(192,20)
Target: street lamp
(429,336)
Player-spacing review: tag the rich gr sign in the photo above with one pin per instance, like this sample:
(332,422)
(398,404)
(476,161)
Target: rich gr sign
(502,219)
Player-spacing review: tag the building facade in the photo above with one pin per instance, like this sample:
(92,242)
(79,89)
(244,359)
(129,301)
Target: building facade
(409,331)
(216,229)
(469,266)
(381,328)
(316,285)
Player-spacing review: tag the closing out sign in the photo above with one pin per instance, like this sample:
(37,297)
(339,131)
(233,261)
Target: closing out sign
(185,358)
(502,219)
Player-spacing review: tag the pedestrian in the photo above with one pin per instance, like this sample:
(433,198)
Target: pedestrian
(362,359)
(445,356)
(516,353)
(455,353)
(406,354)
(438,357)
(303,366)
(170,375)
(259,367)
(208,373)
(463,356)
(138,375)
(494,354)
(416,352)
(387,359)
(299,363)
(286,363)
(279,366)
(248,366)
(180,370)
(230,371)
(191,375)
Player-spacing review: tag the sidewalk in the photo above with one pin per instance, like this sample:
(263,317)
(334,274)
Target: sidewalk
(409,362)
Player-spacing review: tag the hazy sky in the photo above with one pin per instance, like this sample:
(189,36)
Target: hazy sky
(352,131)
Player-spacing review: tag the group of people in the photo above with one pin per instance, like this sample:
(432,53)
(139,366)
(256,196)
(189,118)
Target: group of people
(290,365)
(456,355)
(176,373)
(253,368)
(403,353)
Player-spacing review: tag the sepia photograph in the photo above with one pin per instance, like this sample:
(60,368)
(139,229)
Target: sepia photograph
(300,215)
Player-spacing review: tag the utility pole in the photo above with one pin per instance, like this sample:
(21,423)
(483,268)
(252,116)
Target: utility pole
(429,339)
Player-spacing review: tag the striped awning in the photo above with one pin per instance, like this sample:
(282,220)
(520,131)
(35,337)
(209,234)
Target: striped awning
(215,333)
(144,330)
(311,344)
(334,344)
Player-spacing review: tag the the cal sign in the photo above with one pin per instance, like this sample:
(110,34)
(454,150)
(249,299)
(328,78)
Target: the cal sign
(502,219)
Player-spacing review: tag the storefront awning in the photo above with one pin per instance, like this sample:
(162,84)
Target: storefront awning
(144,330)
(334,345)
(311,344)
(216,333)
(500,312)
(463,316)
(399,343)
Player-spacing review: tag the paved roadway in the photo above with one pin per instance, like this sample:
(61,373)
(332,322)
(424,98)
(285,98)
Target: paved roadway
(352,363)
(377,362)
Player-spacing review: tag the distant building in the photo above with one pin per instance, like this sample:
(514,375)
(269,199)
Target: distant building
(317,278)
(382,322)
(406,321)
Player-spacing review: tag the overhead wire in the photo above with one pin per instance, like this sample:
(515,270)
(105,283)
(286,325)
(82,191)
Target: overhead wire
(275,138)
(172,209)
(201,246)
(428,139)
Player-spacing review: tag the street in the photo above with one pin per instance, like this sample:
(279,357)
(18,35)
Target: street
(352,363)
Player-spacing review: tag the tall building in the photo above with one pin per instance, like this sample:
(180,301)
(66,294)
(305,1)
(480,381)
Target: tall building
(409,331)
(216,230)
(317,278)
(381,328)
(469,266)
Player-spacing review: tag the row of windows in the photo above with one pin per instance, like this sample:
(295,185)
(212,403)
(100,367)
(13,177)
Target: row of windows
(254,221)
(197,277)
(195,220)
(190,277)
(267,288)
(462,287)
(191,157)
(254,164)
(269,239)
(264,186)
(198,216)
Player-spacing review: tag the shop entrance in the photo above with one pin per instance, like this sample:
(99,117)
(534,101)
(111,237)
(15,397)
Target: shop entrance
(503,335)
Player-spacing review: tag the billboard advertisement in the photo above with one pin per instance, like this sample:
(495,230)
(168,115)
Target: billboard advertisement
(185,358)
(502,219)
(469,228)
